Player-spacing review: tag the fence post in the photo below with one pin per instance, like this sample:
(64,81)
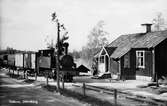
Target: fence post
(24,73)
(115,96)
(35,76)
(63,82)
(18,72)
(13,72)
(83,88)
(9,72)
(47,78)
(157,85)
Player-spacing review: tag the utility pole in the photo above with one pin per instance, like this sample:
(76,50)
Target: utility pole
(54,18)
(57,58)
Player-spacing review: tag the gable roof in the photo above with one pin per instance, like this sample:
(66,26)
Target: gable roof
(124,43)
(151,40)
(82,68)
(110,50)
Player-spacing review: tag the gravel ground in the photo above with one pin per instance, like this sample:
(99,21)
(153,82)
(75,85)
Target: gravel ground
(93,98)
(14,92)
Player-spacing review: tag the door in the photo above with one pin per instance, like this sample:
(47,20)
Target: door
(101,65)
(106,63)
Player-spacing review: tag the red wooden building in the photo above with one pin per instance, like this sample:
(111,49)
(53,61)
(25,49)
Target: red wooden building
(133,55)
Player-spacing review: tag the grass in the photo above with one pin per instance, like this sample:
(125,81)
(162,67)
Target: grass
(49,88)
(29,81)
(87,99)
(14,75)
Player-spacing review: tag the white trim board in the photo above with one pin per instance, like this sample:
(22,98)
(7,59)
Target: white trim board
(144,78)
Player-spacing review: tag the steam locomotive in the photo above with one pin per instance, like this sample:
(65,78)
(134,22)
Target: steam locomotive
(46,60)
(40,62)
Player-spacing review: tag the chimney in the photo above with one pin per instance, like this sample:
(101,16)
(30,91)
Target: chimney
(148,27)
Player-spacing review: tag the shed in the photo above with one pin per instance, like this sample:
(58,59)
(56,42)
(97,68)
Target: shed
(82,68)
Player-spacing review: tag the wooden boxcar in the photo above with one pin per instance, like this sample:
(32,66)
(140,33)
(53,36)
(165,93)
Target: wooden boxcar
(11,61)
(19,60)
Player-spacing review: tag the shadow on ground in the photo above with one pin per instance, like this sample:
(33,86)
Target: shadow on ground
(29,81)
(16,76)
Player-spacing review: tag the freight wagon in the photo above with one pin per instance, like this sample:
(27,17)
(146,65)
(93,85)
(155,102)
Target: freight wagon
(25,61)
(19,58)
(30,62)
(11,61)
(1,61)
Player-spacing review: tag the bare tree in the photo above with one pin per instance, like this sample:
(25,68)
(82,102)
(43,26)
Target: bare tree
(159,22)
(96,39)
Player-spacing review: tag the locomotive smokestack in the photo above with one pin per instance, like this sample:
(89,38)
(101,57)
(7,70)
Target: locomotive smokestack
(66,48)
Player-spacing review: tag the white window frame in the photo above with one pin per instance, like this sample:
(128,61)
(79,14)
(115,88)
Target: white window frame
(138,59)
(102,58)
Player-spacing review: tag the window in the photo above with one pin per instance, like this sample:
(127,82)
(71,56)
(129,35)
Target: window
(140,60)
(127,61)
(101,59)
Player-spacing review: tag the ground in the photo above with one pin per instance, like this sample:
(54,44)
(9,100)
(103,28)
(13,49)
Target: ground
(134,87)
(36,93)
(16,92)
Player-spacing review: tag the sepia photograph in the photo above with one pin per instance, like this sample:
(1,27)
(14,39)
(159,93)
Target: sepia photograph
(83,52)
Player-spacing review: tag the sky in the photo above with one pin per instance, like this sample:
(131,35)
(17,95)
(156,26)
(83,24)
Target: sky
(27,25)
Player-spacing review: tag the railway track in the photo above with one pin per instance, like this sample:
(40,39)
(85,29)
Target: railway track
(118,95)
